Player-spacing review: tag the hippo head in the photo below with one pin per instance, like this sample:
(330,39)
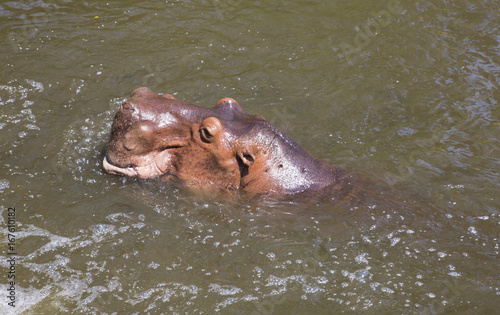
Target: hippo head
(158,136)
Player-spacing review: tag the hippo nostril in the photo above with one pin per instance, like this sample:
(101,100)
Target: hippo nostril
(128,106)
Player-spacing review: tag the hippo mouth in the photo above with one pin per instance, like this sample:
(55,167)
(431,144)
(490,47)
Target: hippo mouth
(153,166)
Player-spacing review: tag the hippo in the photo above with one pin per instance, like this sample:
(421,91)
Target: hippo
(222,148)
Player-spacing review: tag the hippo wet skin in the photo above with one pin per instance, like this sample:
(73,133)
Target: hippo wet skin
(157,136)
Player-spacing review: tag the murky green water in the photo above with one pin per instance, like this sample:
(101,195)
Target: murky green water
(407,92)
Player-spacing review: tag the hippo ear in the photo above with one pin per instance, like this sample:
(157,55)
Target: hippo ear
(246,157)
(168,96)
(210,129)
(229,106)
(141,91)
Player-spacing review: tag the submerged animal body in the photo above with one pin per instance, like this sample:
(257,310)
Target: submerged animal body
(224,148)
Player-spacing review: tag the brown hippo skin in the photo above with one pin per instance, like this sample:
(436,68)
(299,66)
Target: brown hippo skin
(158,136)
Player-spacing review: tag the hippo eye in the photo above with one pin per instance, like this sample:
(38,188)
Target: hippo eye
(205,135)
(210,128)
